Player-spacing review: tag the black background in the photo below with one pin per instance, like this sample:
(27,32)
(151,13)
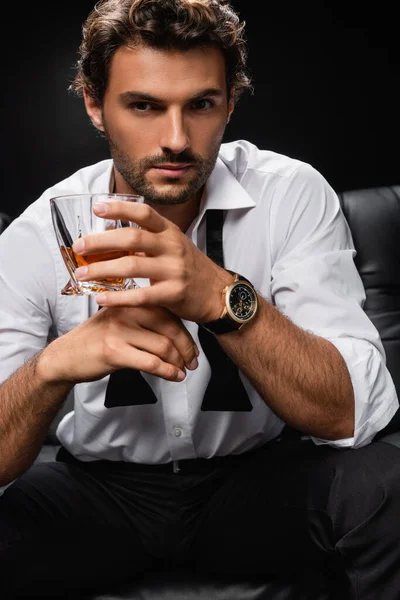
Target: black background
(326,78)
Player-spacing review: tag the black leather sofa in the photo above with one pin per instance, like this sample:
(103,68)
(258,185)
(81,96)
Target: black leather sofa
(374,218)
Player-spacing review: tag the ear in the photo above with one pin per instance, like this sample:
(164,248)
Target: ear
(94,111)
(231,105)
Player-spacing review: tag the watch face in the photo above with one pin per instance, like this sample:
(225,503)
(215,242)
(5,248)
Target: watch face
(242,302)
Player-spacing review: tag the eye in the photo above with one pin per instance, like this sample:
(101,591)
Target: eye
(141,106)
(203,104)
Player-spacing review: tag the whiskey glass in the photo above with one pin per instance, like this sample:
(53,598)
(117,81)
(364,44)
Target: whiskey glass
(73,217)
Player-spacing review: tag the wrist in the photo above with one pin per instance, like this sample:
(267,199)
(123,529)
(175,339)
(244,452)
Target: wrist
(217,295)
(47,370)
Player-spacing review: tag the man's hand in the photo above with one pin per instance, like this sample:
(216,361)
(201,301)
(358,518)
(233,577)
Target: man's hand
(183,279)
(149,339)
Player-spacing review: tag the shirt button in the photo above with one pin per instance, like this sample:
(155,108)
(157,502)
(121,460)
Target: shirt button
(177,431)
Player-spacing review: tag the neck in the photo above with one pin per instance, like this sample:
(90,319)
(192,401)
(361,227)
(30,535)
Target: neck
(180,214)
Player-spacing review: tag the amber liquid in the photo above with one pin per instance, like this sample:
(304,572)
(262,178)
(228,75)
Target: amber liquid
(100,285)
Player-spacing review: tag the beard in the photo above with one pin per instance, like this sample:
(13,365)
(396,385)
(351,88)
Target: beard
(134,173)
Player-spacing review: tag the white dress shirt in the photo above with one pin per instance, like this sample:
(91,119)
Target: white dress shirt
(284,231)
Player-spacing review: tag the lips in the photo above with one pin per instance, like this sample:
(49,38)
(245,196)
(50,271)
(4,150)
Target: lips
(172,166)
(172,170)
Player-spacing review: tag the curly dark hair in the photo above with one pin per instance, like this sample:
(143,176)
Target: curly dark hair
(163,24)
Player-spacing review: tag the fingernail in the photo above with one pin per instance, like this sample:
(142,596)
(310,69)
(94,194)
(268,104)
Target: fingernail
(193,365)
(81,272)
(181,376)
(196,351)
(101,298)
(100,208)
(78,246)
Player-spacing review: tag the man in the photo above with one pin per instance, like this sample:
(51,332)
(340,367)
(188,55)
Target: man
(248,318)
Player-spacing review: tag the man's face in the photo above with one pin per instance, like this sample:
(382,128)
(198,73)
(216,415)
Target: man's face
(164,115)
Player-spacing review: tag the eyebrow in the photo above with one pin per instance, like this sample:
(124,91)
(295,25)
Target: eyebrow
(131,96)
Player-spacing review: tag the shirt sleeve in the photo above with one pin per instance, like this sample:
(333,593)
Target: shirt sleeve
(27,284)
(315,283)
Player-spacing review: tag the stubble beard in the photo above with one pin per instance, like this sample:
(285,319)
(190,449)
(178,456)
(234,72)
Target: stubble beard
(134,173)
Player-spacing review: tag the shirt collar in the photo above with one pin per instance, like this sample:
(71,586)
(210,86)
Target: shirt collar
(223,191)
(104,179)
(111,179)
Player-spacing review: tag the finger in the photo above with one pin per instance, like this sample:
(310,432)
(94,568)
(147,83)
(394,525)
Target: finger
(157,294)
(157,345)
(152,297)
(183,342)
(168,325)
(141,214)
(124,239)
(127,266)
(133,358)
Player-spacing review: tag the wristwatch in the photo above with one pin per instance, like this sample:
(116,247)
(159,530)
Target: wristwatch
(240,306)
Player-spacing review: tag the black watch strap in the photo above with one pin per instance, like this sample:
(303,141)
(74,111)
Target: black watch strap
(220,326)
(239,277)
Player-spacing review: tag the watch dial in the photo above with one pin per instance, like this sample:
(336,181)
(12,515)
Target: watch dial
(242,301)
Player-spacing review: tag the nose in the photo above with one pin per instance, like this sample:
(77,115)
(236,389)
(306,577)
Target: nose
(174,137)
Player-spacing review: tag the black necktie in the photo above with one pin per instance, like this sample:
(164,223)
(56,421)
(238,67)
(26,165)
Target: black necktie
(225,390)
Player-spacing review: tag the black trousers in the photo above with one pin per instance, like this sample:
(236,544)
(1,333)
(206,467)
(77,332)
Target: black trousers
(274,512)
